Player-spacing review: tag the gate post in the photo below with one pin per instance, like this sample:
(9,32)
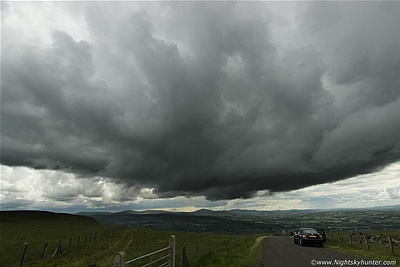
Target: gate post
(172,251)
(119,259)
(183,257)
(391,244)
(366,242)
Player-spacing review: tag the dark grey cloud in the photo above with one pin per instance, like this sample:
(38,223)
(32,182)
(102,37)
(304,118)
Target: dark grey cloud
(195,99)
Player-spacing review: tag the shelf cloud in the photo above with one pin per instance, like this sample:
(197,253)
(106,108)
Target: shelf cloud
(214,99)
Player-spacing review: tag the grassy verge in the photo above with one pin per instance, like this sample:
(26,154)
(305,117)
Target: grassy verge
(202,249)
(247,252)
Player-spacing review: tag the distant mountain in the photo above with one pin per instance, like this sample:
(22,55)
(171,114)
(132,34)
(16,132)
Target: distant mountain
(265,212)
(392,207)
(219,213)
(154,212)
(89,213)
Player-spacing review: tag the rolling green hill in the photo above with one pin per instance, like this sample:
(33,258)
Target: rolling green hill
(39,228)
(44,217)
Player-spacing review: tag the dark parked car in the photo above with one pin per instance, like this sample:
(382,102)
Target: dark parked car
(304,236)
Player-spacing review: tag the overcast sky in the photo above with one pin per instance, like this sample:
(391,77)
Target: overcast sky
(186,105)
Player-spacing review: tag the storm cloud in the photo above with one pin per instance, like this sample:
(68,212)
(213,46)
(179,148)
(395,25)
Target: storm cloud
(207,98)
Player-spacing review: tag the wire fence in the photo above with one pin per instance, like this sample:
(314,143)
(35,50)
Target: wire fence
(386,244)
(55,249)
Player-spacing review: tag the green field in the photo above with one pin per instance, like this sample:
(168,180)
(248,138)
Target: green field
(202,249)
(377,241)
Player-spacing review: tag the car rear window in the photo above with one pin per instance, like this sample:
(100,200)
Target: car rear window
(309,231)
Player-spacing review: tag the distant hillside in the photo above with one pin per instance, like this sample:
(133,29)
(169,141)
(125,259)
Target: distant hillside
(240,212)
(393,207)
(44,217)
(124,212)
(253,221)
(206,212)
(182,222)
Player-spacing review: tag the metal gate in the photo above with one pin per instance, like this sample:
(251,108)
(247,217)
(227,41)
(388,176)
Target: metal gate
(154,258)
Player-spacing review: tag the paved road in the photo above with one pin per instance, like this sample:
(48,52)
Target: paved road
(282,252)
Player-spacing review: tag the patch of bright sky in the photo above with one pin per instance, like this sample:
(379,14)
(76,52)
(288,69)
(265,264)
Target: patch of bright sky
(32,22)
(26,188)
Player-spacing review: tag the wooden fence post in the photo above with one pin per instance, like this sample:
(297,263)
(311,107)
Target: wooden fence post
(332,237)
(119,259)
(391,244)
(24,253)
(183,257)
(44,250)
(69,244)
(60,247)
(79,239)
(366,242)
(351,240)
(172,251)
(340,241)
(58,250)
(85,239)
